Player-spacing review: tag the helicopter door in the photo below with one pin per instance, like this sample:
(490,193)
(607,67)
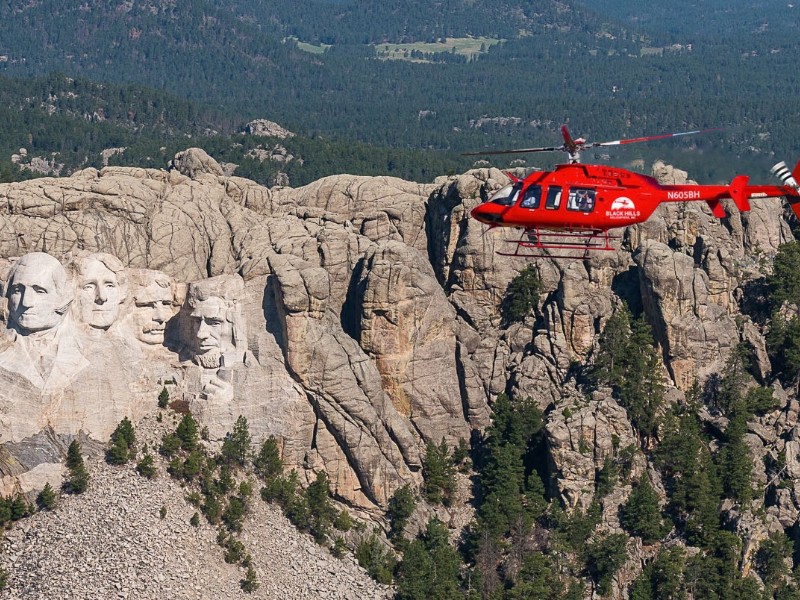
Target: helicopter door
(553,198)
(532,197)
(581,199)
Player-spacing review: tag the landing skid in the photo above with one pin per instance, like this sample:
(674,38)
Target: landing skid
(536,243)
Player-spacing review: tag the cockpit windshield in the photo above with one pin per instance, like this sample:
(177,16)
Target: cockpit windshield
(507,195)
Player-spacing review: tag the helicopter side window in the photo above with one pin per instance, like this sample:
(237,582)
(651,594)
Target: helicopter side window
(581,199)
(507,195)
(532,197)
(553,198)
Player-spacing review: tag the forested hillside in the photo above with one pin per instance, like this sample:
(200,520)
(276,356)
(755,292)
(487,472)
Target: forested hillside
(289,64)
(704,18)
(65,124)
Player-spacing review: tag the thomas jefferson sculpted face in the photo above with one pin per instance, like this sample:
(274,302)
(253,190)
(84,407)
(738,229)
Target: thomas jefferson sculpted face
(101,289)
(38,293)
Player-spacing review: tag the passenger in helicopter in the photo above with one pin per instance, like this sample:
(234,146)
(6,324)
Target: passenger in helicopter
(532,197)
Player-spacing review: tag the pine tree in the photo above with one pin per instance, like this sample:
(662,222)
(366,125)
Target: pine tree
(438,473)
(78,479)
(730,387)
(783,347)
(19,508)
(628,362)
(690,476)
(250,583)
(46,498)
(511,488)
(268,463)
(5,510)
(604,557)
(522,295)
(783,283)
(641,514)
(236,446)
(376,559)
(320,509)
(538,580)
(146,466)
(188,433)
(163,398)
(233,514)
(609,366)
(734,459)
(401,507)
(170,444)
(415,573)
(118,452)
(125,430)
(663,578)
(430,567)
(122,446)
(770,560)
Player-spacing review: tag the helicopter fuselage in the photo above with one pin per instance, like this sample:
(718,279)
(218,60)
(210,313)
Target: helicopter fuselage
(584,197)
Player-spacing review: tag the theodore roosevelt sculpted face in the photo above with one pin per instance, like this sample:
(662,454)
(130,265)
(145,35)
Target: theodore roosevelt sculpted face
(154,304)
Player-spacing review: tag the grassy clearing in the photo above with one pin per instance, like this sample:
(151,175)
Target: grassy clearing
(310,48)
(469,47)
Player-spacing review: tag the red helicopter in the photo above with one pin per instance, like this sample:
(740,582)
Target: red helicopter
(575,206)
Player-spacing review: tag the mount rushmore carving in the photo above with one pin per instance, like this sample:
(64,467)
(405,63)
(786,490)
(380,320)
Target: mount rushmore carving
(90,342)
(355,319)
(241,301)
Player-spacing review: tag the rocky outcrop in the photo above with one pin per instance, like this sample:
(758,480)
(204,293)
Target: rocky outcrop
(581,436)
(696,334)
(358,318)
(267,128)
(307,366)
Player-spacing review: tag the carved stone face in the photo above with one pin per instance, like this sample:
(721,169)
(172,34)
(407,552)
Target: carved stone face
(153,306)
(100,294)
(38,293)
(217,322)
(213,332)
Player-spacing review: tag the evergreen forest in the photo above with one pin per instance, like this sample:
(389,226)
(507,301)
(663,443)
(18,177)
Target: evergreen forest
(208,69)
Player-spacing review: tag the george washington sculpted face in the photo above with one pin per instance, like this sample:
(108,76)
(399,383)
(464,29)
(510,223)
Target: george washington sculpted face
(38,293)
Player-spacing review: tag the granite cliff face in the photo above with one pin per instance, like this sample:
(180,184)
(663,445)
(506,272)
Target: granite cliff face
(356,319)
(360,316)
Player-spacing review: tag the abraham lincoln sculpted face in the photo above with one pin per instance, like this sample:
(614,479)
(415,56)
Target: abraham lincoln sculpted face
(216,318)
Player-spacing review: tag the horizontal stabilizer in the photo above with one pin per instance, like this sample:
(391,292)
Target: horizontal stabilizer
(738,191)
(716,209)
(795,204)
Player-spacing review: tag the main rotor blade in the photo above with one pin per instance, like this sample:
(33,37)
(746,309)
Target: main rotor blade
(570,145)
(516,151)
(650,138)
